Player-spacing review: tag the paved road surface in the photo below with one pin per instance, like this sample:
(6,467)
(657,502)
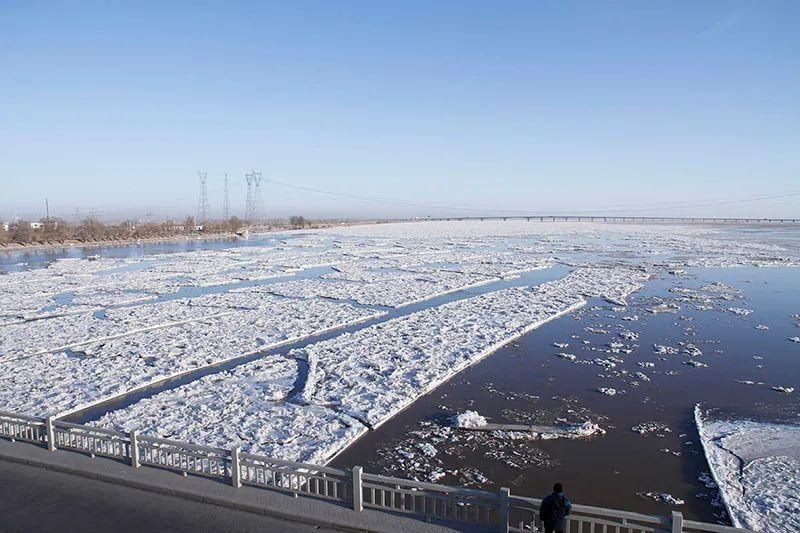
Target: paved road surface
(42,501)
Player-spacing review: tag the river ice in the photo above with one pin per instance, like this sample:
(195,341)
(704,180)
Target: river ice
(375,372)
(98,371)
(34,337)
(243,407)
(757,468)
(391,289)
(110,326)
(359,380)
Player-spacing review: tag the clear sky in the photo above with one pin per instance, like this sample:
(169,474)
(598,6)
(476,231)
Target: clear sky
(679,107)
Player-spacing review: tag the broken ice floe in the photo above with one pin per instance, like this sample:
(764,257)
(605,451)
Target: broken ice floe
(662,349)
(374,373)
(651,428)
(469,419)
(607,391)
(242,407)
(662,497)
(53,334)
(757,468)
(539,432)
(393,290)
(102,370)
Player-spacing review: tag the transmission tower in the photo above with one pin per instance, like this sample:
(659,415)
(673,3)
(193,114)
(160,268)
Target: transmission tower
(254,210)
(202,208)
(248,205)
(258,200)
(226,208)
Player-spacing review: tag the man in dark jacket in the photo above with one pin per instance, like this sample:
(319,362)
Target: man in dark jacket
(554,510)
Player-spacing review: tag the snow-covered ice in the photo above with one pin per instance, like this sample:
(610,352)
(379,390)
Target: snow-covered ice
(101,370)
(469,419)
(390,289)
(243,407)
(34,337)
(757,468)
(374,373)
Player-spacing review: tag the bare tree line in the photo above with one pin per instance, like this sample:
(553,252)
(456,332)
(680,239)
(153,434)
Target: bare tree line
(57,230)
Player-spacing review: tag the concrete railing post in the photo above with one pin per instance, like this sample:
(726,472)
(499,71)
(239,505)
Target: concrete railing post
(358,490)
(677,522)
(503,516)
(51,434)
(134,450)
(236,469)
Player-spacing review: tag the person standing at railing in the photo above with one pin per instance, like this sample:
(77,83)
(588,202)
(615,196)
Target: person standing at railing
(554,510)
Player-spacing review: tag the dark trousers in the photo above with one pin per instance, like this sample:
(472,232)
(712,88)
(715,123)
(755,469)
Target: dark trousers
(548,529)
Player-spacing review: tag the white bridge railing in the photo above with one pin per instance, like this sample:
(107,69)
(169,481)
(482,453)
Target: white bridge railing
(352,487)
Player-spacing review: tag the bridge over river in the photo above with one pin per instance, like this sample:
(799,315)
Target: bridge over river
(630,219)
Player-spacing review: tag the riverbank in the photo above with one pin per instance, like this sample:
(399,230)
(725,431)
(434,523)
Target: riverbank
(68,244)
(17,247)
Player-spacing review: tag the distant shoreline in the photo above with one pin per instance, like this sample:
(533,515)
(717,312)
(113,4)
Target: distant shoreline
(17,247)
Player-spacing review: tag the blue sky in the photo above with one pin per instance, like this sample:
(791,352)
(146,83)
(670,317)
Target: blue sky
(535,106)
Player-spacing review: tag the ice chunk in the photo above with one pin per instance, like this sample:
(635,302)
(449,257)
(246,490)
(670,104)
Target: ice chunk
(663,497)
(648,428)
(469,419)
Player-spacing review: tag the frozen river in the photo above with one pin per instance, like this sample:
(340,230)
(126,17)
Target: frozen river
(359,345)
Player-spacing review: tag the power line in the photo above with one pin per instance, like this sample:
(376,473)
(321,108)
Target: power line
(612,209)
(385,200)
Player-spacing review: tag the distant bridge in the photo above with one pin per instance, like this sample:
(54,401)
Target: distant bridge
(601,218)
